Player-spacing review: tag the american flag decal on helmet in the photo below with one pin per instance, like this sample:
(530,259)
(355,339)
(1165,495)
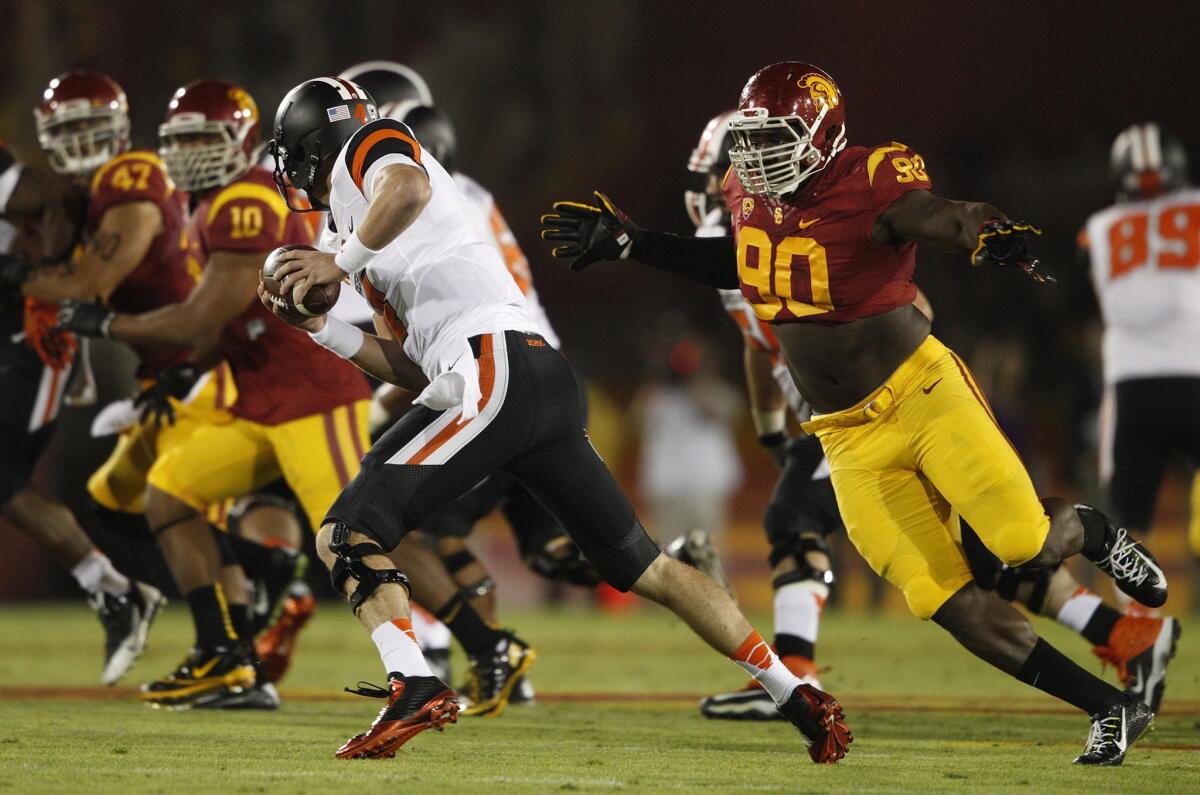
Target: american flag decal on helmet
(338,113)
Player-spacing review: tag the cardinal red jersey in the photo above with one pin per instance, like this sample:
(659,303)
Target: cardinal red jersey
(169,270)
(280,373)
(810,257)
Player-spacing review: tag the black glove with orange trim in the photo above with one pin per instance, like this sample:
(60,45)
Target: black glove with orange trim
(1002,243)
(589,233)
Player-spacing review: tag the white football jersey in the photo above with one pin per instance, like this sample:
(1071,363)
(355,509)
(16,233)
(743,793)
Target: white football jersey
(439,282)
(9,178)
(1145,262)
(756,333)
(490,225)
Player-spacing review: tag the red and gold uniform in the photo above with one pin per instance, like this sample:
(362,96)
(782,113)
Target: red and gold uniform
(922,449)
(301,411)
(166,275)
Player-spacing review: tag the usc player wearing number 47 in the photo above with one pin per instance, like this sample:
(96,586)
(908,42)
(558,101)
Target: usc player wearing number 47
(827,232)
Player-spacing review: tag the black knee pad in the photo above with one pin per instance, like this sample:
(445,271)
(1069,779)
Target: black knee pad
(805,571)
(349,564)
(623,563)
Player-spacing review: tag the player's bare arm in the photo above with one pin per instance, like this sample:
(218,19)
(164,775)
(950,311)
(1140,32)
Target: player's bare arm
(928,220)
(398,195)
(125,234)
(50,199)
(225,290)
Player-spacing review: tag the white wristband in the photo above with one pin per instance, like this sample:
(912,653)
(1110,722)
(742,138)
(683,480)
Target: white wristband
(768,422)
(339,336)
(354,256)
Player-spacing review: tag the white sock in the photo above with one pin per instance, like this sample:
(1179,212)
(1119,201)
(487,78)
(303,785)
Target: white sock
(97,573)
(798,609)
(398,648)
(757,659)
(1079,609)
(431,633)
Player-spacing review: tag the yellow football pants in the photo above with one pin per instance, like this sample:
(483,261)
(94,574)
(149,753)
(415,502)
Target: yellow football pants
(317,455)
(120,482)
(909,459)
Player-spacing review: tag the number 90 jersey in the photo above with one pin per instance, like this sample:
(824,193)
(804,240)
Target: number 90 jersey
(810,256)
(1145,260)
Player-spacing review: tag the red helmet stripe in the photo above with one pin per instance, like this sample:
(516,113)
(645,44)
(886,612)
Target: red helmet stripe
(349,88)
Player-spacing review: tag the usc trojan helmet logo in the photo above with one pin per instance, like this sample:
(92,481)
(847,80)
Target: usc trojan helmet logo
(819,88)
(244,101)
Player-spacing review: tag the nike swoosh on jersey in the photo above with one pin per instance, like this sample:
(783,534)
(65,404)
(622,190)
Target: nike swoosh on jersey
(929,388)
(802,224)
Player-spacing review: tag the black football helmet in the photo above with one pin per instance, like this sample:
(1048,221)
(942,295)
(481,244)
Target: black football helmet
(312,124)
(1147,160)
(435,131)
(390,83)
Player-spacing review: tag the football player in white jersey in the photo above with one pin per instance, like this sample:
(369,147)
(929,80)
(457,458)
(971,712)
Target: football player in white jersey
(492,395)
(1145,265)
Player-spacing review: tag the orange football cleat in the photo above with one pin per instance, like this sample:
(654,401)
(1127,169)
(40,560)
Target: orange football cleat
(819,718)
(415,703)
(1140,649)
(276,643)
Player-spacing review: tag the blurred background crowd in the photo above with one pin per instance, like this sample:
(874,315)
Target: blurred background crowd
(555,99)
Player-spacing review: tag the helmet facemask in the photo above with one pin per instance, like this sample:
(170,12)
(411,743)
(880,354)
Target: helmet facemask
(298,171)
(773,155)
(80,138)
(196,166)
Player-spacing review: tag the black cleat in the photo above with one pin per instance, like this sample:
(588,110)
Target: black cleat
(262,696)
(523,693)
(819,718)
(695,548)
(750,703)
(1113,732)
(126,619)
(204,672)
(415,703)
(495,676)
(1132,567)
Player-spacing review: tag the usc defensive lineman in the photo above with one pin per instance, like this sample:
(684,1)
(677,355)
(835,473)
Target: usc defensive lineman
(824,249)
(300,412)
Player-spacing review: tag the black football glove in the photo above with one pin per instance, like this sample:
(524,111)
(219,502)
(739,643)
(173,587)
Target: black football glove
(589,233)
(14,270)
(1002,243)
(175,382)
(87,320)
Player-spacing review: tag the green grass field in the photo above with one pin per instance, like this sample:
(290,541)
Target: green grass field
(616,711)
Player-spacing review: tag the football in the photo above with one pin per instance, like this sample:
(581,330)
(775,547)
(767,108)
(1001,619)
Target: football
(319,300)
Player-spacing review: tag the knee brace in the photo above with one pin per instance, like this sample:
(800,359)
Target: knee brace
(349,564)
(805,571)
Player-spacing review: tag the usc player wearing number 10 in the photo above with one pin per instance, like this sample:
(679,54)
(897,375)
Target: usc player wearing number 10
(824,249)
(300,412)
